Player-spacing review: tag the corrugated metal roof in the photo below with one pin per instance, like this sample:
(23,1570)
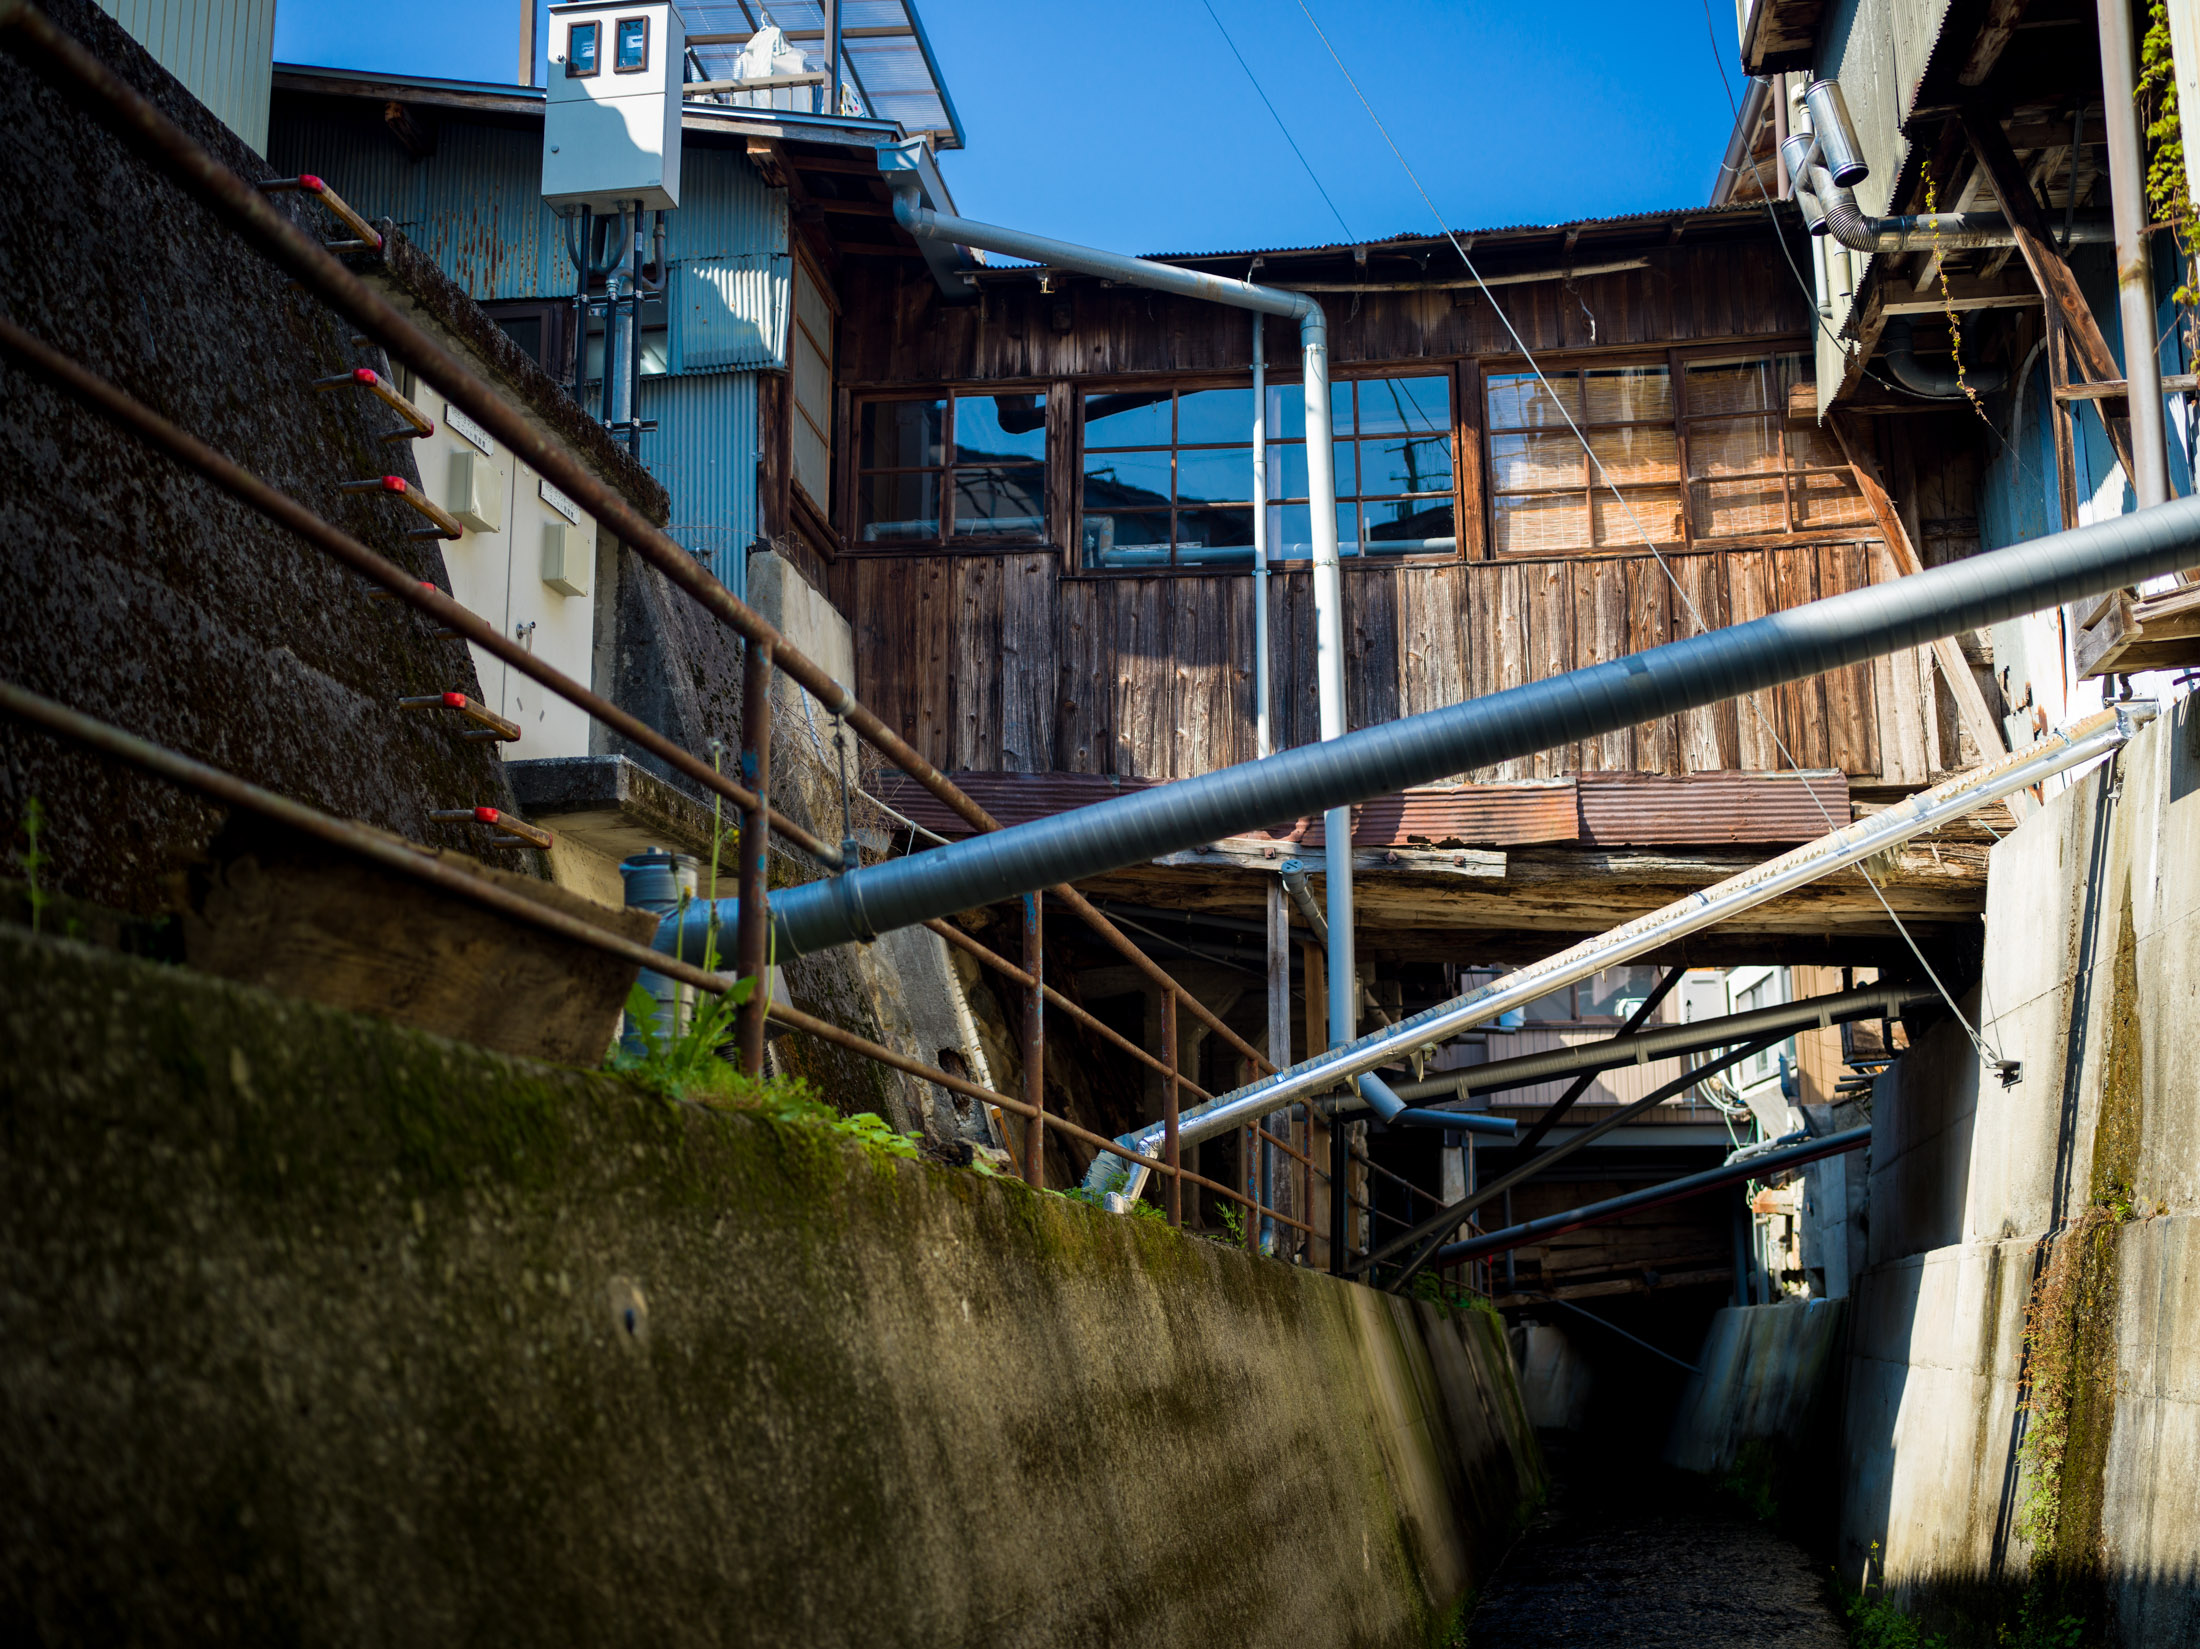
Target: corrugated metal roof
(1595,810)
(1706,809)
(1648,220)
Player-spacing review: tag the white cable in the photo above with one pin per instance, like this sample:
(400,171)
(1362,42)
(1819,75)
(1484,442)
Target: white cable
(1986,1055)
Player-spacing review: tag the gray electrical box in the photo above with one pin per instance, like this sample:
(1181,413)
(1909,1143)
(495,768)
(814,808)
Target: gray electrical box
(612,132)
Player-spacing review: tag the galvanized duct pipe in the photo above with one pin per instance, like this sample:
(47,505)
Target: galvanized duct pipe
(1670,1041)
(1414,750)
(2134,255)
(1830,208)
(923,224)
(2095,736)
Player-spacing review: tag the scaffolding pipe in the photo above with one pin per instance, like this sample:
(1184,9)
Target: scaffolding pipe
(2096,735)
(1263,739)
(1653,1196)
(1669,1041)
(1790,645)
(2134,255)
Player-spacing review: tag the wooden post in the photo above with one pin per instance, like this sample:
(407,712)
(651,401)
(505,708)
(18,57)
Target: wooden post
(1171,1148)
(1279,1046)
(1035,1042)
(752,936)
(1321,1194)
(2052,275)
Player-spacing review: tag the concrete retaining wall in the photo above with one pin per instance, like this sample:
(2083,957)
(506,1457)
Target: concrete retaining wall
(1770,1375)
(2093,981)
(320,1330)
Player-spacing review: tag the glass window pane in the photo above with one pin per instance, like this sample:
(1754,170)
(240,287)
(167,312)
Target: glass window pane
(1636,457)
(1628,394)
(1733,446)
(898,508)
(1405,406)
(1730,386)
(633,48)
(1135,418)
(1127,538)
(1287,409)
(1291,531)
(1558,1006)
(1828,501)
(1287,470)
(1404,463)
(1807,444)
(1214,529)
(1519,462)
(1215,473)
(991,429)
(580,49)
(901,434)
(1657,510)
(1000,501)
(1518,401)
(1527,526)
(1124,480)
(1727,509)
(1412,526)
(1615,993)
(1214,415)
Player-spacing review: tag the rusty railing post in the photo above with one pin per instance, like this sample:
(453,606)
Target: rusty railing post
(1173,1199)
(1035,1042)
(1249,1162)
(752,938)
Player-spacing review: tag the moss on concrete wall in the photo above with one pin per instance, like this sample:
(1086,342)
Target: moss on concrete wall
(313,1328)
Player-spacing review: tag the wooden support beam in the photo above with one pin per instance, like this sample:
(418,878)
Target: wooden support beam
(1985,727)
(2037,242)
(1992,39)
(1964,292)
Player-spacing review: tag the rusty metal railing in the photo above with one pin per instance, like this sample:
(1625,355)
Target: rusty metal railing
(244,207)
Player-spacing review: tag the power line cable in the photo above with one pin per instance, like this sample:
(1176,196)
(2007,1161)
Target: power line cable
(1986,1055)
(1280,126)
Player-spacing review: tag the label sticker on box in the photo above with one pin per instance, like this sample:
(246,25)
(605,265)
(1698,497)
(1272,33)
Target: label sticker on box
(559,502)
(466,429)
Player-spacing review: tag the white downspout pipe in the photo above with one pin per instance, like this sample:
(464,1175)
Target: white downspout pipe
(924,224)
(2134,271)
(1263,740)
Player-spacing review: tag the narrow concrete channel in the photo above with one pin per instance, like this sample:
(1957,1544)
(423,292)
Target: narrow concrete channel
(1626,1552)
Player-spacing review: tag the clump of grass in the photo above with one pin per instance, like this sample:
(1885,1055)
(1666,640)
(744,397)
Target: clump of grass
(1873,1622)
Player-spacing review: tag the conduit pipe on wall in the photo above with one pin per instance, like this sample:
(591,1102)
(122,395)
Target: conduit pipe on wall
(1898,349)
(2134,260)
(924,224)
(1831,209)
(1790,645)
(2095,736)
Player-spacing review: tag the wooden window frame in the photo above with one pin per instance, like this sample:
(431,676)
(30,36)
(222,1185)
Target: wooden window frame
(819,508)
(945,542)
(619,23)
(1675,359)
(1465,521)
(594,28)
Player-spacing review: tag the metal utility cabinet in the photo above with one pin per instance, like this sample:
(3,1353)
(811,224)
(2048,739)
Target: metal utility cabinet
(612,133)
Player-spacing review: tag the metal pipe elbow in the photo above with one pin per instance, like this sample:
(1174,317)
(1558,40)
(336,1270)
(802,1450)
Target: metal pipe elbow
(1898,350)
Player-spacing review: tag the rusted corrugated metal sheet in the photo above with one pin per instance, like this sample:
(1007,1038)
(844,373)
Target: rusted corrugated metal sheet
(1536,813)
(1602,810)
(1708,809)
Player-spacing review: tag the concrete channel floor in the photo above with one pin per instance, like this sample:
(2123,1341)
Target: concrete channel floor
(1627,1554)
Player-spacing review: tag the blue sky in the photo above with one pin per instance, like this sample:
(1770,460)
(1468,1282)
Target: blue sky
(1133,126)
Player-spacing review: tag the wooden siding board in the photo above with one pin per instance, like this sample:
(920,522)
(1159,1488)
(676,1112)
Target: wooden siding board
(1028,647)
(1650,624)
(1852,720)
(1083,740)
(1802,704)
(1551,650)
(1752,593)
(1600,636)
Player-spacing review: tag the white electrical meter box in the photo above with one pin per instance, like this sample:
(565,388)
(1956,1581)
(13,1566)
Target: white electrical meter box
(612,132)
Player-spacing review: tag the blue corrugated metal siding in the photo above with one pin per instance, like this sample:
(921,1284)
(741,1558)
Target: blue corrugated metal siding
(476,207)
(704,450)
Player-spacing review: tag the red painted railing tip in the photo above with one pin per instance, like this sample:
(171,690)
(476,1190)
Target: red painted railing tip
(454,701)
(364,375)
(306,180)
(487,815)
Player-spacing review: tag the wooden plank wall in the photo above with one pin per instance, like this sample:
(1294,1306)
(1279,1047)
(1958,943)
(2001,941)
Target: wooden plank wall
(997,663)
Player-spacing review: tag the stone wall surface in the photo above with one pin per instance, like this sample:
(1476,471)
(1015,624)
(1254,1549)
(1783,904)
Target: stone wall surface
(2071,1196)
(1769,1377)
(315,1329)
(138,592)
